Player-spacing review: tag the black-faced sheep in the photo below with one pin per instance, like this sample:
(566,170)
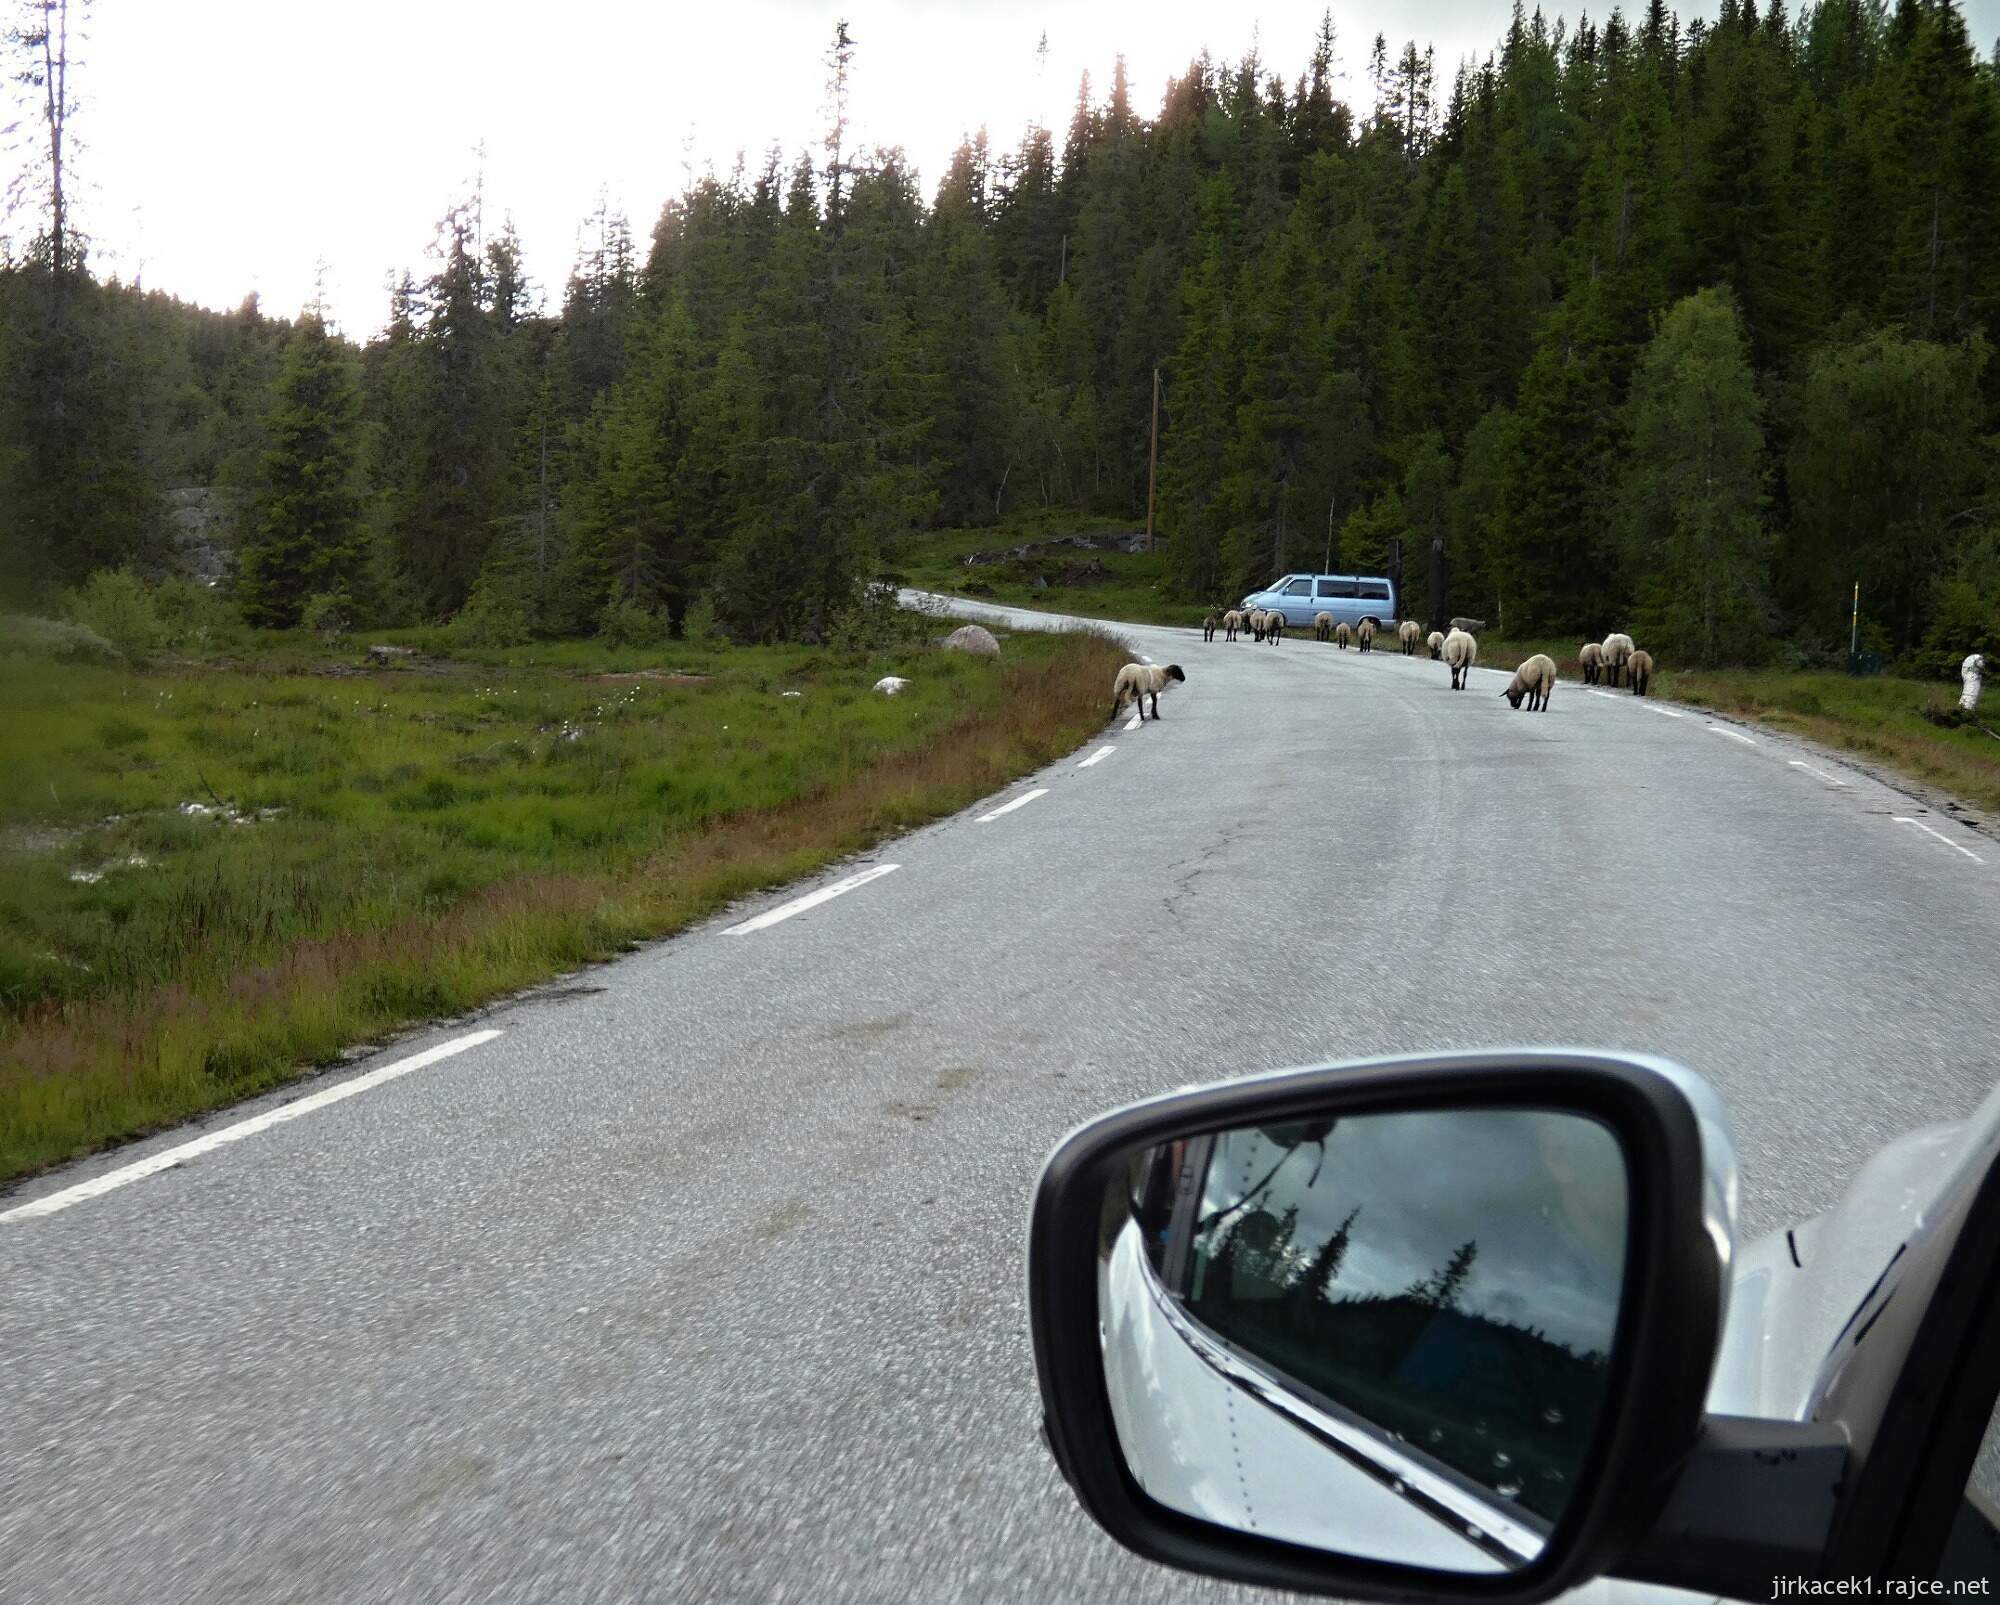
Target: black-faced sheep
(1591,656)
(1208,626)
(1639,670)
(1137,681)
(1436,644)
(1323,626)
(1461,651)
(1367,635)
(1617,648)
(1533,680)
(1343,635)
(1409,633)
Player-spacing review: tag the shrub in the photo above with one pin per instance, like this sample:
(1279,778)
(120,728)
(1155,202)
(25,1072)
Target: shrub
(22,636)
(626,623)
(192,615)
(700,625)
(326,615)
(489,621)
(115,604)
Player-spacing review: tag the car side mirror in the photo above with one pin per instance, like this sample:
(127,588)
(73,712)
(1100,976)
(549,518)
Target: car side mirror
(1424,1328)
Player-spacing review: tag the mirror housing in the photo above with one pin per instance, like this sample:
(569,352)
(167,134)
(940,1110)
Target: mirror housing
(1681,1172)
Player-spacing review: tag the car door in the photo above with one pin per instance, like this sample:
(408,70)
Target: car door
(1331,595)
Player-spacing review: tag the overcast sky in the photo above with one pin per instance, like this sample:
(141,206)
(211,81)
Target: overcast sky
(232,147)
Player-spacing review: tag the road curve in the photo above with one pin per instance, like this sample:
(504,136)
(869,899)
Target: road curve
(701,1280)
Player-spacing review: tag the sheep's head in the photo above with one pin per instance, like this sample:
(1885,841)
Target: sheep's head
(1513,695)
(1174,672)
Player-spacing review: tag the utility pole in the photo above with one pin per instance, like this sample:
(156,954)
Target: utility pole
(1152,459)
(1854,627)
(1326,564)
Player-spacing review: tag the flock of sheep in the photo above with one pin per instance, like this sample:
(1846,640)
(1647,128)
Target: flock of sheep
(1613,659)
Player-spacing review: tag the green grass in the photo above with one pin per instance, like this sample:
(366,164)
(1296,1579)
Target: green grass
(414,841)
(1131,590)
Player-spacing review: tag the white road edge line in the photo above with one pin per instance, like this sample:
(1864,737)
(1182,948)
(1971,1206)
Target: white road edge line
(1098,756)
(1591,689)
(799,905)
(1831,780)
(1019,802)
(1903,819)
(167,1158)
(1135,721)
(1664,713)
(1734,735)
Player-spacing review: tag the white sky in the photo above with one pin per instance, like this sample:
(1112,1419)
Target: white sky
(232,147)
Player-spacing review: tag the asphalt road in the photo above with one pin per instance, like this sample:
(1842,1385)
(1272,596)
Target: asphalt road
(702,1279)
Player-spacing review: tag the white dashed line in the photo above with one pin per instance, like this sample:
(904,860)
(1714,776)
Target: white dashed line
(1135,721)
(1597,693)
(167,1158)
(1664,713)
(1734,735)
(799,905)
(1831,780)
(1144,659)
(1903,819)
(1098,756)
(1021,801)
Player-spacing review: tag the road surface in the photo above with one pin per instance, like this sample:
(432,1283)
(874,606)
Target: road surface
(701,1279)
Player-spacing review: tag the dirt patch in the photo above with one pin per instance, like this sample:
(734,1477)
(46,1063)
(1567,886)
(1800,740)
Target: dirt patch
(631,676)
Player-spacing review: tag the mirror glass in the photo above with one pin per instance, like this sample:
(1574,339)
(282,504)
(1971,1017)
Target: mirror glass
(1386,1336)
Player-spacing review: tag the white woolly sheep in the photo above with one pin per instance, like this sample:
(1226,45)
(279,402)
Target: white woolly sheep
(1436,644)
(1461,651)
(1208,626)
(1232,621)
(1256,623)
(1409,632)
(1617,648)
(1533,680)
(1323,626)
(1343,635)
(1591,656)
(1274,626)
(1137,680)
(1366,635)
(1639,670)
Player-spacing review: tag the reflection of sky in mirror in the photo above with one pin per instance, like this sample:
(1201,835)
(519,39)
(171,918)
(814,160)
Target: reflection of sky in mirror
(1543,1194)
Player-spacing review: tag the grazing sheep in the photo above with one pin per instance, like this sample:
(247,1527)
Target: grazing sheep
(1274,626)
(1436,644)
(1137,680)
(1533,680)
(1232,621)
(1208,627)
(1366,634)
(1617,648)
(1343,635)
(1461,651)
(1591,656)
(1323,626)
(1639,670)
(1409,632)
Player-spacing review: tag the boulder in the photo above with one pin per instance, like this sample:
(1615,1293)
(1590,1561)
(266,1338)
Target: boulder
(974,638)
(382,652)
(1469,626)
(890,684)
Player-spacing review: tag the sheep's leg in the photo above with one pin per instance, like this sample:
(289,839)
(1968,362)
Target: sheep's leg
(1156,704)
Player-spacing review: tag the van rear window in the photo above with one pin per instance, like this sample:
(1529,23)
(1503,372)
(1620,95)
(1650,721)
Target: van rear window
(1336,588)
(1376,588)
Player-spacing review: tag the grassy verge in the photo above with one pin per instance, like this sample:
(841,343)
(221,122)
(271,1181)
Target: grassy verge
(1129,590)
(374,848)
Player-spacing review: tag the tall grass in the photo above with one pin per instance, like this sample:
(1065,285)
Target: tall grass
(383,848)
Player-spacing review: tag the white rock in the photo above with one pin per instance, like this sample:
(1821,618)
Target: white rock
(973,638)
(1972,674)
(890,684)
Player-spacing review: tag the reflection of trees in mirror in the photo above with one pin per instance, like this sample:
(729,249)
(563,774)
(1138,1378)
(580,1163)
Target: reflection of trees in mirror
(1499,1404)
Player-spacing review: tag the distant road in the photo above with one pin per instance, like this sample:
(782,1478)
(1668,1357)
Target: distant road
(702,1278)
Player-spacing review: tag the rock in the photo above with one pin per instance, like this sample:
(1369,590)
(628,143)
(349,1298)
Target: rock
(382,652)
(1469,626)
(890,684)
(974,638)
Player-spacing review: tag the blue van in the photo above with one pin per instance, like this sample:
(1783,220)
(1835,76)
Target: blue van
(1350,598)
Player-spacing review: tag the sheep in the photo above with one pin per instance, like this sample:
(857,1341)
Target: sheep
(1208,627)
(1323,626)
(1232,621)
(1591,656)
(1367,635)
(1257,617)
(1617,648)
(1274,626)
(1461,651)
(1533,680)
(1409,632)
(1436,644)
(1343,635)
(1136,680)
(1639,670)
